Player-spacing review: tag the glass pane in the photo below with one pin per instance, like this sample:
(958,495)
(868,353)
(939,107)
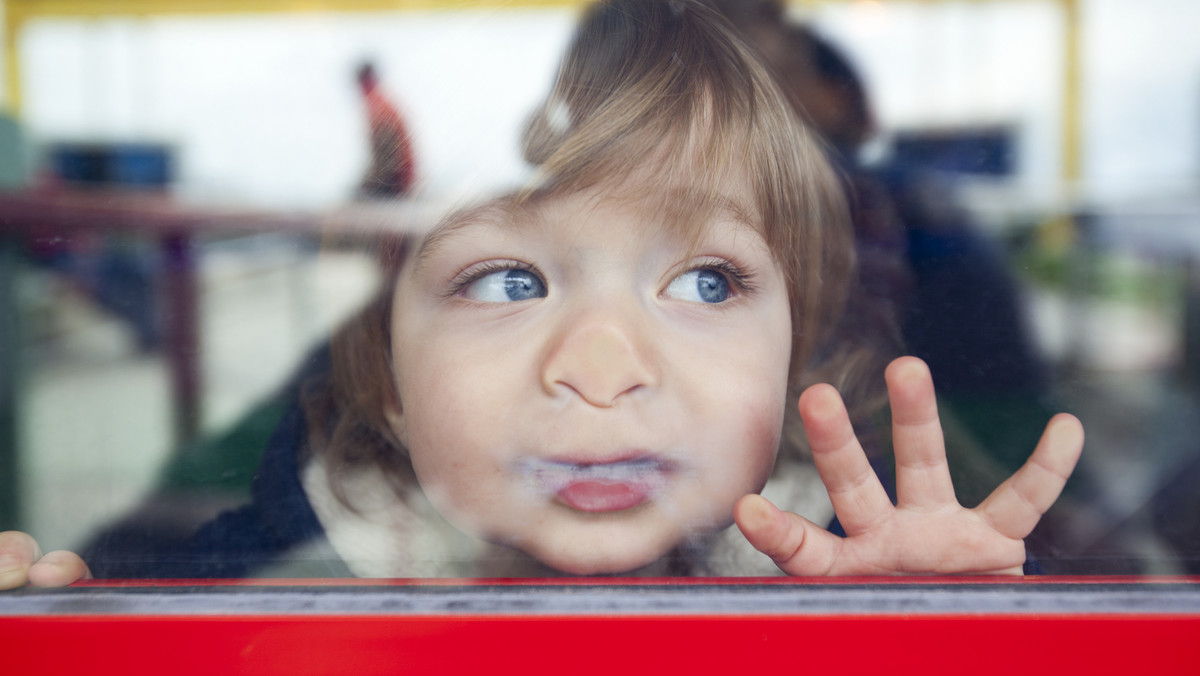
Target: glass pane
(195,208)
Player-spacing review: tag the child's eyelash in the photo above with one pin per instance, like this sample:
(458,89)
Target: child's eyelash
(474,273)
(742,280)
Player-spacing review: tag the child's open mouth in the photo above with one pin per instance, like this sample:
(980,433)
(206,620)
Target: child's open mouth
(602,486)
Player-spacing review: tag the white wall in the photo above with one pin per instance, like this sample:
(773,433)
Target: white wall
(961,63)
(263,109)
(1142,96)
(953,64)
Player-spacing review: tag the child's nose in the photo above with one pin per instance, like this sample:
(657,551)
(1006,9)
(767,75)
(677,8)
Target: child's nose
(598,361)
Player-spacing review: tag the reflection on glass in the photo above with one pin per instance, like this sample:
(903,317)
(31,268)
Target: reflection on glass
(582,369)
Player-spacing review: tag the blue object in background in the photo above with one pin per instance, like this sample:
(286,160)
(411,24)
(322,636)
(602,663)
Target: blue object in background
(122,274)
(127,165)
(988,151)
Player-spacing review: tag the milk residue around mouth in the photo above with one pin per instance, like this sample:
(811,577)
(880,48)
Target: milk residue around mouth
(552,476)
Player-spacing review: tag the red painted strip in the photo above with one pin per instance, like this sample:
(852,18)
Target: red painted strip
(886,644)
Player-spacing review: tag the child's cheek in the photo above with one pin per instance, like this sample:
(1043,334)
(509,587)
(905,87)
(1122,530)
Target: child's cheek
(763,429)
(742,460)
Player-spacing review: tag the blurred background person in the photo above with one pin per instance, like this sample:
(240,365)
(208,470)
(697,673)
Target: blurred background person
(392,170)
(930,283)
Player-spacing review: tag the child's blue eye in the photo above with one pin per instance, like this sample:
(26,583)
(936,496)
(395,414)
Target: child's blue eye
(700,286)
(506,286)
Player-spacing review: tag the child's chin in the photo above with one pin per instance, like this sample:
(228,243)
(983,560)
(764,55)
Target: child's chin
(589,563)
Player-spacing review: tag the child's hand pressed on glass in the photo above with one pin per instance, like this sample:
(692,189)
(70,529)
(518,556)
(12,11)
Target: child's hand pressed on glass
(22,562)
(927,531)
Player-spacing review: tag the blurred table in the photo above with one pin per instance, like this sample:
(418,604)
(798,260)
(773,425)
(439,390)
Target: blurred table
(154,214)
(66,212)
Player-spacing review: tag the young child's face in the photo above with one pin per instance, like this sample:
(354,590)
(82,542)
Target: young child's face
(582,385)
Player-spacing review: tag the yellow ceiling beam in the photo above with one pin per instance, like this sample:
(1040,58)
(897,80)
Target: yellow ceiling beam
(27,9)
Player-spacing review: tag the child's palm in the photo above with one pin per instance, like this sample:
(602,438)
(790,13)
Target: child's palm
(927,531)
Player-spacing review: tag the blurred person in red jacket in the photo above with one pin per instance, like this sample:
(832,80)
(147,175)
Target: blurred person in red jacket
(392,171)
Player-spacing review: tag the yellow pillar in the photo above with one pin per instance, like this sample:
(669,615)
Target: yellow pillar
(1059,232)
(1072,134)
(12,66)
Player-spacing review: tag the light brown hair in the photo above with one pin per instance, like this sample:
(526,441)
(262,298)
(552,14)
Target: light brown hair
(666,82)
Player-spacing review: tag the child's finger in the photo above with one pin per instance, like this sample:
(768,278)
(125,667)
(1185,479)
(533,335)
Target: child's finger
(797,545)
(1015,507)
(857,496)
(58,569)
(18,551)
(922,475)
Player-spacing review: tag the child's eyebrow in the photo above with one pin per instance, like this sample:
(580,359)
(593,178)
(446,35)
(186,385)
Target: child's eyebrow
(499,213)
(712,206)
(733,209)
(453,226)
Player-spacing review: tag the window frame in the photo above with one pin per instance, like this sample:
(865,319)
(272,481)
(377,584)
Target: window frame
(1106,624)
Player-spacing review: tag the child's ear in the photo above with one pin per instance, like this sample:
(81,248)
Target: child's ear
(394,414)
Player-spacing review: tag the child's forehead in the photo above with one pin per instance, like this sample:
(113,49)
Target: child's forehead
(686,214)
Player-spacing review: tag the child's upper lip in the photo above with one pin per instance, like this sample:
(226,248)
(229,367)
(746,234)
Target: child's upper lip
(583,459)
(600,458)
(553,474)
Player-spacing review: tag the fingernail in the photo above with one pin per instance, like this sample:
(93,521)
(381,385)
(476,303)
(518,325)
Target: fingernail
(11,574)
(765,513)
(823,403)
(912,369)
(9,564)
(1063,429)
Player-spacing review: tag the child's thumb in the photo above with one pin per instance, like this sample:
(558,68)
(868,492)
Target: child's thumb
(797,545)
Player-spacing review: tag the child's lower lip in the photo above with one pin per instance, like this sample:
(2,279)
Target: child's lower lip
(597,495)
(609,486)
